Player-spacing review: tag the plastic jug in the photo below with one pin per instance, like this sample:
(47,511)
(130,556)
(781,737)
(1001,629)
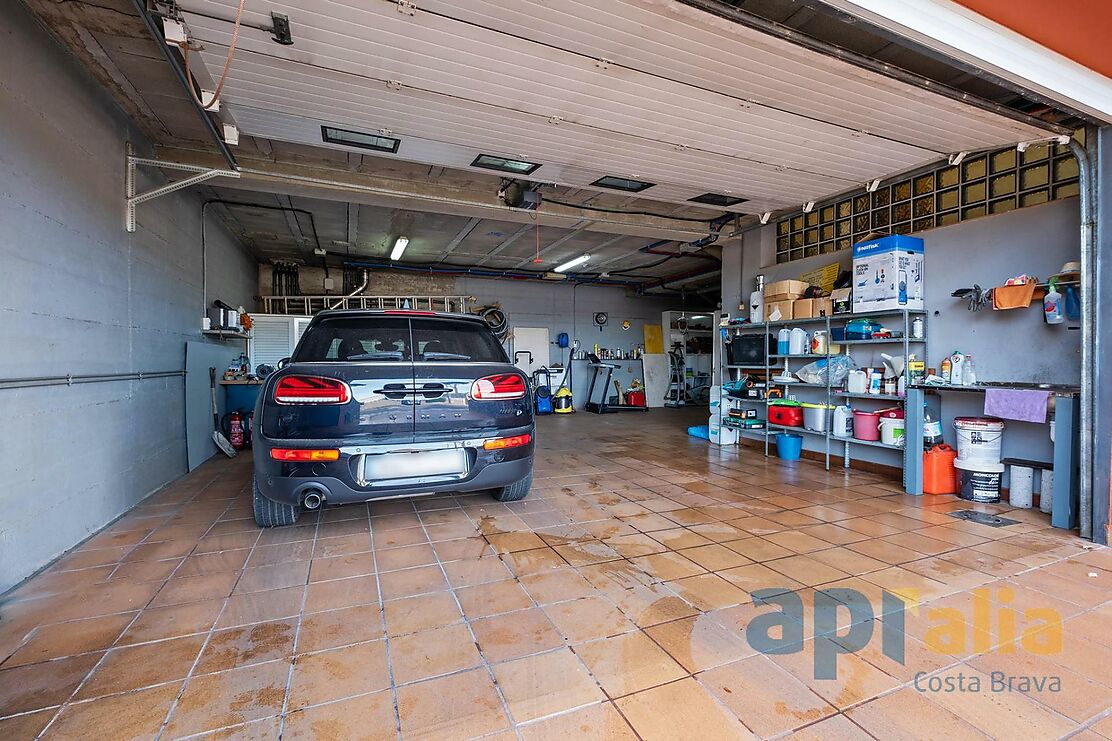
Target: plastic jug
(857,382)
(799,342)
(783,341)
(842,426)
(939,476)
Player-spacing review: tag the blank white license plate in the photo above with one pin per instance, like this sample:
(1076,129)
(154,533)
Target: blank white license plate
(426,463)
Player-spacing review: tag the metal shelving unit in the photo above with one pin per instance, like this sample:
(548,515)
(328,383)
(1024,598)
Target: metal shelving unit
(777,362)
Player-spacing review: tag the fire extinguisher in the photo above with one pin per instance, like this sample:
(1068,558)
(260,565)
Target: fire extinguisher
(236,431)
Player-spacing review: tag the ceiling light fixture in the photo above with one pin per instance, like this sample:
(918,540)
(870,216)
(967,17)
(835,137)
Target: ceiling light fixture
(360,139)
(399,248)
(503,164)
(627,184)
(572,263)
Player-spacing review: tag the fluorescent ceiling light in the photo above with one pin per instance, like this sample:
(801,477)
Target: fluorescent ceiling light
(616,183)
(517,167)
(717,199)
(572,263)
(359,139)
(399,248)
(700,316)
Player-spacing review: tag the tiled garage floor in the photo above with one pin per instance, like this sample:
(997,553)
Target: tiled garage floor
(611,604)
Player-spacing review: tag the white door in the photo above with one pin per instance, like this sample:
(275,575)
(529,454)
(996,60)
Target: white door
(530,348)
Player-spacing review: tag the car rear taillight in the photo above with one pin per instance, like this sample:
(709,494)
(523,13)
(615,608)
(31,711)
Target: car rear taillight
(311,390)
(301,455)
(508,442)
(499,387)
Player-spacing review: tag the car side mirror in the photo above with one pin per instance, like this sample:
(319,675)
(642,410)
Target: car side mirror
(283,363)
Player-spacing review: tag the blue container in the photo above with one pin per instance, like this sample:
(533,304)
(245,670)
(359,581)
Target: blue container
(789,446)
(700,431)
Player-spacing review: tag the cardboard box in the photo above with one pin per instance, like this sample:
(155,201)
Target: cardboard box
(842,299)
(785,308)
(787,288)
(888,274)
(811,308)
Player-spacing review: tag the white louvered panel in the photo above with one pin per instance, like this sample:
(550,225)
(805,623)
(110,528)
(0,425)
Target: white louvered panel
(270,339)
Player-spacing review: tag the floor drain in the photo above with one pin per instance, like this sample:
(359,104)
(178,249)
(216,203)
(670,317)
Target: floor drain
(982,518)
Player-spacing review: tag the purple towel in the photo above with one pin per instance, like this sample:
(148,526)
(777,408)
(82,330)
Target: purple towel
(1018,404)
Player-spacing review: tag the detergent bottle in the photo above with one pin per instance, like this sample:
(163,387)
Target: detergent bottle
(1052,305)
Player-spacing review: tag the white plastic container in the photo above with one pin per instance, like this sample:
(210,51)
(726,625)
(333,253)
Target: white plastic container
(979,481)
(816,417)
(892,431)
(842,425)
(799,343)
(857,382)
(1021,486)
(979,438)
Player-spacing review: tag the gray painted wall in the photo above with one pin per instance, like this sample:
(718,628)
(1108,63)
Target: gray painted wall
(1007,345)
(80,295)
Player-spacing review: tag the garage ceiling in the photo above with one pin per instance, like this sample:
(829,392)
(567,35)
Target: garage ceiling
(652,90)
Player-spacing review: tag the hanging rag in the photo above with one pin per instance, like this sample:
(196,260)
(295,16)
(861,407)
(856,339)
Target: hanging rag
(1022,405)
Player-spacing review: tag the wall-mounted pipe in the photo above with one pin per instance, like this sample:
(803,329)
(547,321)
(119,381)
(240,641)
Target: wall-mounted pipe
(362,287)
(1087,186)
(74,379)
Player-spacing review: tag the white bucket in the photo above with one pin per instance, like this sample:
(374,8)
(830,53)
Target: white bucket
(892,431)
(979,481)
(979,438)
(1046,491)
(1021,486)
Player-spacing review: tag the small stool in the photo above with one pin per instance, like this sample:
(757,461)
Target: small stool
(1021,482)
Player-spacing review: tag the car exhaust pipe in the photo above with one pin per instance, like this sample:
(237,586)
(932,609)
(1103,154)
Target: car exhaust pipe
(313,500)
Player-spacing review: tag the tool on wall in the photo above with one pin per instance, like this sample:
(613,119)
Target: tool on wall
(978,297)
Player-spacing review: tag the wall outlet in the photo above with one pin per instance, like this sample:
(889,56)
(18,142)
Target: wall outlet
(329,284)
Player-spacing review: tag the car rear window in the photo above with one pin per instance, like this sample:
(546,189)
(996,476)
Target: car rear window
(455,340)
(393,339)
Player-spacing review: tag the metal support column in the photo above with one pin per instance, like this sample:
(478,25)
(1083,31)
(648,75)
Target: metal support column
(913,441)
(1067,433)
(1100,149)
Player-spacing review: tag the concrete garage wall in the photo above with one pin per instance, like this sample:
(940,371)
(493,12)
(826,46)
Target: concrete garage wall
(79,295)
(1007,346)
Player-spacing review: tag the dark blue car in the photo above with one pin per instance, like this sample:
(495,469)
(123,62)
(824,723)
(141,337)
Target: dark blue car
(382,404)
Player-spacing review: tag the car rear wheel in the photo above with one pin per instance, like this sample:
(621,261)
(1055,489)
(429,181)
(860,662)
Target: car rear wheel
(516,491)
(269,513)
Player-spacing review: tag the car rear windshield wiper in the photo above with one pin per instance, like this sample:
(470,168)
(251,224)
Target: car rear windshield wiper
(444,356)
(396,355)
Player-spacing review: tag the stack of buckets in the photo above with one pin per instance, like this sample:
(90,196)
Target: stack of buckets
(978,467)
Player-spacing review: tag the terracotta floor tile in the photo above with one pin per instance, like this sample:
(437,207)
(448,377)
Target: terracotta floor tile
(834,728)
(649,523)
(652,605)
(668,566)
(213,563)
(556,586)
(676,538)
(406,557)
(1079,698)
(601,722)
(329,595)
(247,644)
(67,639)
(228,698)
(715,557)
(883,550)
(692,713)
(132,667)
(767,699)
(410,582)
(700,643)
(587,619)
(26,726)
(835,534)
(265,555)
(341,545)
(134,715)
(35,686)
(258,607)
(457,706)
(399,537)
(275,576)
(759,576)
(638,544)
(513,542)
(906,714)
(367,717)
(628,663)
(432,653)
(493,598)
(516,634)
(984,562)
(587,552)
(145,570)
(544,684)
(179,590)
(857,680)
(848,561)
(333,628)
(338,673)
(423,612)
(170,622)
(457,548)
(998,714)
(758,549)
(797,542)
(471,571)
(342,567)
(807,570)
(536,561)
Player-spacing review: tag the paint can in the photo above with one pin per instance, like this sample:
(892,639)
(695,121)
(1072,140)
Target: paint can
(979,481)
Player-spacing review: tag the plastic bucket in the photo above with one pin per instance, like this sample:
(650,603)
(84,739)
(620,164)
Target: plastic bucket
(817,416)
(979,481)
(866,425)
(979,438)
(789,446)
(892,431)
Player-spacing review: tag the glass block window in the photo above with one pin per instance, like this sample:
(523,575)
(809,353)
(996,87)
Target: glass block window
(983,184)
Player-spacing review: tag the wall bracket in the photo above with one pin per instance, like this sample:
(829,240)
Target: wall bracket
(133,199)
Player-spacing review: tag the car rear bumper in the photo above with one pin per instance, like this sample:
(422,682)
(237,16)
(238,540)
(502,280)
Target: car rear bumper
(340,482)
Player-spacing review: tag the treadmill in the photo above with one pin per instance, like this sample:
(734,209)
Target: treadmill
(600,368)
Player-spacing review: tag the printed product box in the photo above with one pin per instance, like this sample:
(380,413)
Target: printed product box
(888,274)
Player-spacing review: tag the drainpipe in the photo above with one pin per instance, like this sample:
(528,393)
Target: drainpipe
(1088,313)
(362,287)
